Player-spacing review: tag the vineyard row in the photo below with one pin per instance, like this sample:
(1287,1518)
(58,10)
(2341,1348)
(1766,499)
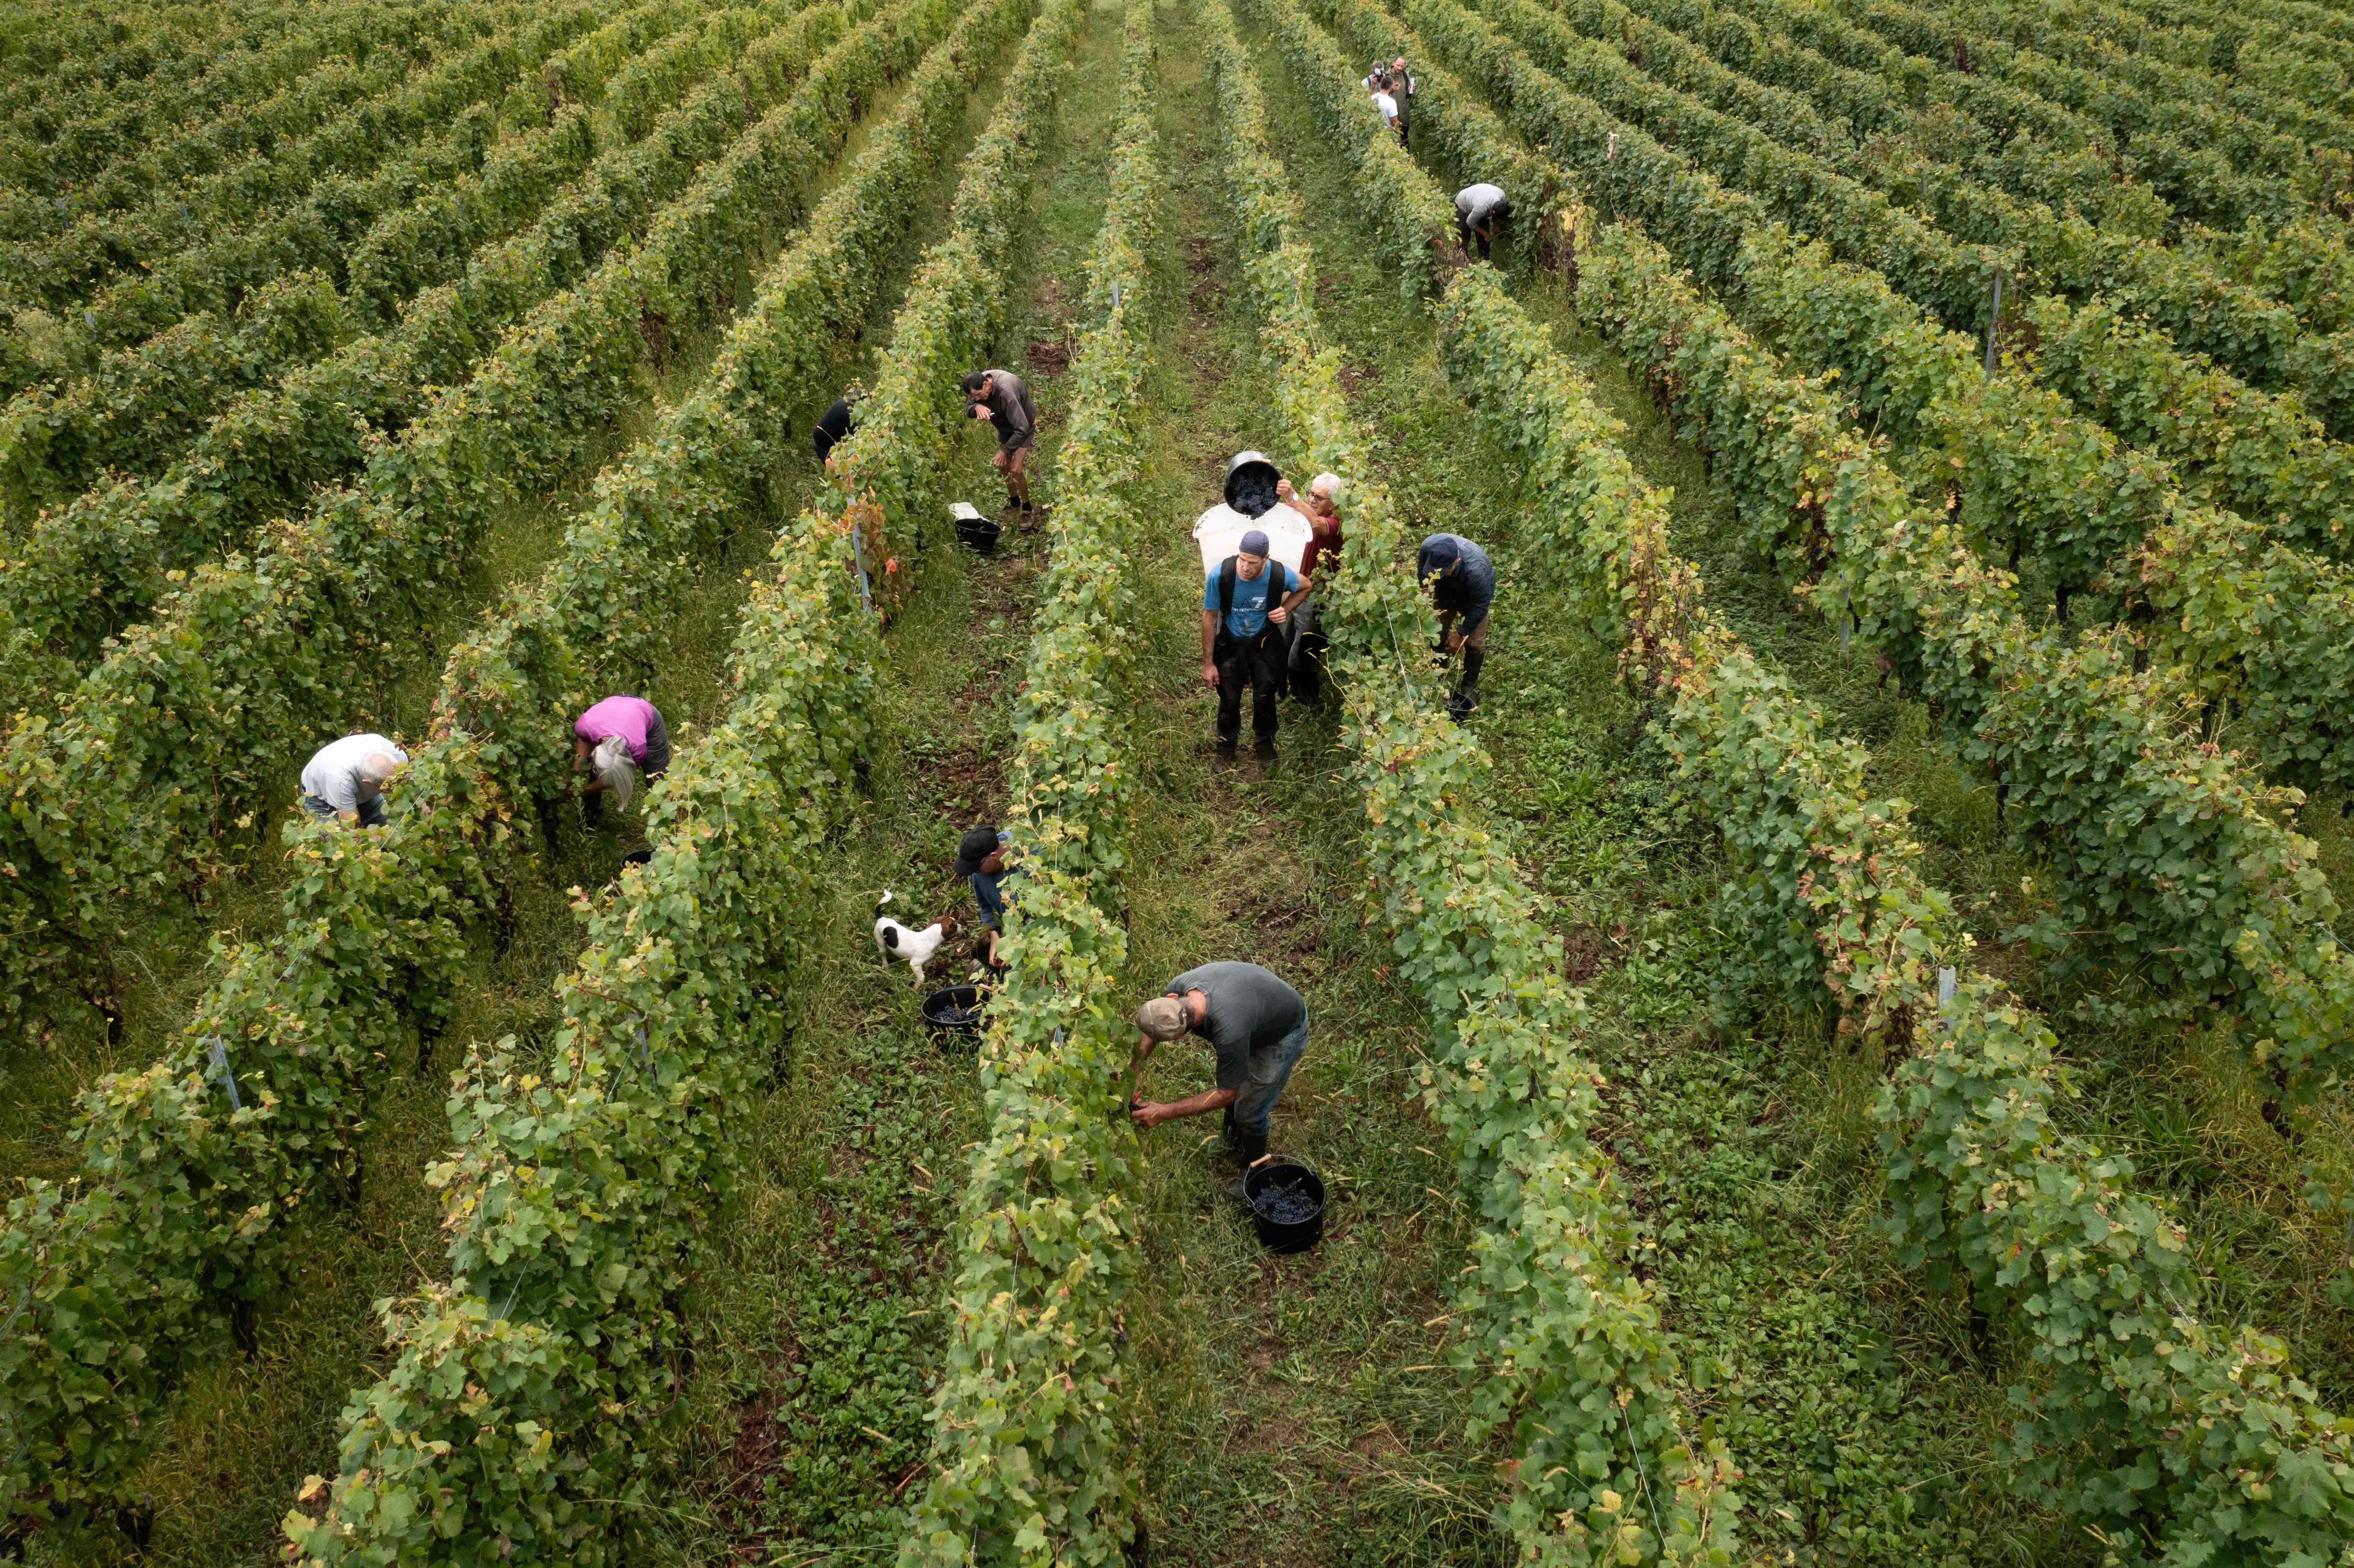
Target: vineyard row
(1030,1420)
(191,1215)
(2207,1429)
(309,280)
(2167,860)
(672,1004)
(1577,1370)
(197,710)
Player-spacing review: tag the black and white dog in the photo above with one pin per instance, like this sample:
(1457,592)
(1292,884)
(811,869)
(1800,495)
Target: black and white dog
(916,947)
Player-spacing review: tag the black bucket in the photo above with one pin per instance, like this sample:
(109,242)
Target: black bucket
(637,857)
(1287,1204)
(979,534)
(953,1012)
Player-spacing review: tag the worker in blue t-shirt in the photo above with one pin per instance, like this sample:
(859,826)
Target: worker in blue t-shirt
(1244,603)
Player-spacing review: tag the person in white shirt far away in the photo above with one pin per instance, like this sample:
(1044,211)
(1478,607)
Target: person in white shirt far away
(343,781)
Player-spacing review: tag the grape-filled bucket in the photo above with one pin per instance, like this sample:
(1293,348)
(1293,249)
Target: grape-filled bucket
(978,533)
(1287,1204)
(953,1014)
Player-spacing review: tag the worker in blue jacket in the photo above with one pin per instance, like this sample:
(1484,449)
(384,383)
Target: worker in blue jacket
(1462,583)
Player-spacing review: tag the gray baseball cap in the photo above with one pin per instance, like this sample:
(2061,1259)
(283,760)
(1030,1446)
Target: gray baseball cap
(1162,1019)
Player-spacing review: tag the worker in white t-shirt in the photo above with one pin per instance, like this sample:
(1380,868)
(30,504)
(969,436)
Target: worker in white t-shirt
(1479,208)
(1387,105)
(345,780)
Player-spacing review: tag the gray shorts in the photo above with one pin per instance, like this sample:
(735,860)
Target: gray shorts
(1270,1069)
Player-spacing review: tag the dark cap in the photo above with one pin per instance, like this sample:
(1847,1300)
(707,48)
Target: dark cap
(977,845)
(1250,485)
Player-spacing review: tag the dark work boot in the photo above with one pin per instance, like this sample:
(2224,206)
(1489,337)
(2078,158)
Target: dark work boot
(1226,754)
(1462,702)
(1249,1148)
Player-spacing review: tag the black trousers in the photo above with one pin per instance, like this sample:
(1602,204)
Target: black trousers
(1253,661)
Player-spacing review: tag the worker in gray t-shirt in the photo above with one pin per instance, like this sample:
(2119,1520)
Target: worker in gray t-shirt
(1478,210)
(1258,1027)
(1003,399)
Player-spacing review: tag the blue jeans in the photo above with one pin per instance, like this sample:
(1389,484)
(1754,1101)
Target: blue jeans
(371,809)
(1270,1069)
(989,897)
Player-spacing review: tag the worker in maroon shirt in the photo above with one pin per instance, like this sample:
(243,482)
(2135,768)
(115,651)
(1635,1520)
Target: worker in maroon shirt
(1320,556)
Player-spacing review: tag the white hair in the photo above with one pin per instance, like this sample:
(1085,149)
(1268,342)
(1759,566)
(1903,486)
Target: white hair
(377,766)
(611,762)
(1327,485)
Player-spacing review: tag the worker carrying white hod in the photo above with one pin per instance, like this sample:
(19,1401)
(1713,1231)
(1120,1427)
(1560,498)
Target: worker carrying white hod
(1478,210)
(1251,502)
(1251,545)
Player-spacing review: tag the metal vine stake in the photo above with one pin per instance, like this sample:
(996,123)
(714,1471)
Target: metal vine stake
(1994,322)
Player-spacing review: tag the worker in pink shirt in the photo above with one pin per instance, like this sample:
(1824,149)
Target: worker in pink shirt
(617,742)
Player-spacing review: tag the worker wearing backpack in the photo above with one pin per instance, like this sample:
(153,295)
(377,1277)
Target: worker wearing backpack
(1244,603)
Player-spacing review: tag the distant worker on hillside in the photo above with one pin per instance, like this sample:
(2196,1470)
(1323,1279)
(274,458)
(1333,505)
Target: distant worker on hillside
(838,423)
(1003,399)
(1478,210)
(618,741)
(1258,1027)
(1322,558)
(345,780)
(1462,582)
(1402,89)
